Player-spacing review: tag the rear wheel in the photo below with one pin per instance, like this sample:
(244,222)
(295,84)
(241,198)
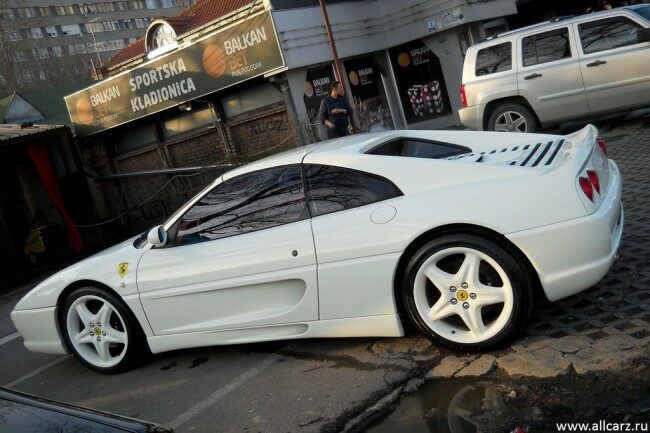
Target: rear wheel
(101,332)
(512,117)
(466,292)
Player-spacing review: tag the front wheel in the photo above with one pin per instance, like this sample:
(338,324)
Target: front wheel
(100,331)
(466,292)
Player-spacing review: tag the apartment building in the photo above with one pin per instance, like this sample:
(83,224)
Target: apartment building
(57,42)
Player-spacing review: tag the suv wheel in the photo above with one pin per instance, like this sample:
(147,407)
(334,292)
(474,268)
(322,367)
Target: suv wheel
(512,117)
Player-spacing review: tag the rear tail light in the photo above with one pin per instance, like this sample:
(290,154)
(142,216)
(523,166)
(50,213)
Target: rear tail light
(593,179)
(463,96)
(585,185)
(601,143)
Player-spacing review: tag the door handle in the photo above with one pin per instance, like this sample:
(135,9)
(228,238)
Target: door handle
(532,76)
(596,63)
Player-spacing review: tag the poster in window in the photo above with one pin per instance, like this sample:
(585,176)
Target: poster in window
(420,82)
(368,95)
(317,86)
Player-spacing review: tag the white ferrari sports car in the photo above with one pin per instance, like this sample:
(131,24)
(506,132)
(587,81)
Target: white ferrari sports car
(454,233)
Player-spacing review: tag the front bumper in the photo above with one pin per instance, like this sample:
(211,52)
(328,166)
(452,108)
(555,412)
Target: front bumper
(472,117)
(39,329)
(573,255)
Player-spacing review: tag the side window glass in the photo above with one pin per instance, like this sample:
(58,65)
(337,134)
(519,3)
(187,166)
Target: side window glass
(497,58)
(332,189)
(546,47)
(245,204)
(607,34)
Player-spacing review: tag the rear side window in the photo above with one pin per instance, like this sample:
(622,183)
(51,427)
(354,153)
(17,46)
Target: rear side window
(607,34)
(546,47)
(497,58)
(332,189)
(418,149)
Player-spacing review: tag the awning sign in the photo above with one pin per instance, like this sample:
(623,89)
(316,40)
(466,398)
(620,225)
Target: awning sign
(235,54)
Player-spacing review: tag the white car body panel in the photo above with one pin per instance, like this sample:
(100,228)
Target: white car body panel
(251,287)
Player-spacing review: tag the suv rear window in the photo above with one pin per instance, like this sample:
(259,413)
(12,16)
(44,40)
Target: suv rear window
(418,149)
(546,47)
(497,58)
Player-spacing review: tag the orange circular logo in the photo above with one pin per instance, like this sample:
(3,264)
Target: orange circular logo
(84,112)
(214,61)
(354,78)
(309,89)
(403,60)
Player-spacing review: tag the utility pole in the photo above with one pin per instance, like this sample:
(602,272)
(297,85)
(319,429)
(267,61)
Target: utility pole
(328,29)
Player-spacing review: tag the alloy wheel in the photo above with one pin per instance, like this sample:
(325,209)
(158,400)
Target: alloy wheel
(97,331)
(511,121)
(463,295)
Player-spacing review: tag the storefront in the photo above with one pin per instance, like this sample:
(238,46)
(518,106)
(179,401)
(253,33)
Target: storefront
(224,85)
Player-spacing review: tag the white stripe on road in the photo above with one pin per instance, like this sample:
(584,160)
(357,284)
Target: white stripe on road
(7,338)
(37,371)
(222,392)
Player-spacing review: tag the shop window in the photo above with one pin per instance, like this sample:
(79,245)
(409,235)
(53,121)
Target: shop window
(546,47)
(178,124)
(497,58)
(136,138)
(250,99)
(317,87)
(368,95)
(421,82)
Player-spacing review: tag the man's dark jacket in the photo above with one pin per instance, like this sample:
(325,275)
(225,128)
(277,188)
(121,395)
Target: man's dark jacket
(339,119)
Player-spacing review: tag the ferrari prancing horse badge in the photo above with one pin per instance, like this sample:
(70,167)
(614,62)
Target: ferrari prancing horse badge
(122,268)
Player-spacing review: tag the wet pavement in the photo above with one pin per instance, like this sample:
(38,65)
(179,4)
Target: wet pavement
(337,385)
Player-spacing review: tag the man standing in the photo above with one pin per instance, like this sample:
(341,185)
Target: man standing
(336,113)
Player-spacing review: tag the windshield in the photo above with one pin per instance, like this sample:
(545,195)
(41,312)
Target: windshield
(644,11)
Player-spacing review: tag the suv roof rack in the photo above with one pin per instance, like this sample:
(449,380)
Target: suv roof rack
(562,18)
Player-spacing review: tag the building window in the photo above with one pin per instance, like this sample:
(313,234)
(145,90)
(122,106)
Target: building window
(71,50)
(43,53)
(72,29)
(44,11)
(497,58)
(421,82)
(51,31)
(57,51)
(136,138)
(37,33)
(250,99)
(7,14)
(198,118)
(152,4)
(168,3)
(14,35)
(138,5)
(128,24)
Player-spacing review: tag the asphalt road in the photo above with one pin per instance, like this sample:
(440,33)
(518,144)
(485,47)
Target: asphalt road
(309,385)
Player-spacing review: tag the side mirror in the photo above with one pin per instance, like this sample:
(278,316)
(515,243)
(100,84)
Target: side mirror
(157,237)
(643,35)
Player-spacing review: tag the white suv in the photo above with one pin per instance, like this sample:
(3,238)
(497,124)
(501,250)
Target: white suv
(559,70)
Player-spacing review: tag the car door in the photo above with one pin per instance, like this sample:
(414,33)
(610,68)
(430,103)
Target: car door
(354,233)
(614,66)
(242,256)
(549,74)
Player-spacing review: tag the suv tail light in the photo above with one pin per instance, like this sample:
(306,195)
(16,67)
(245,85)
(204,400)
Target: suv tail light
(463,96)
(601,143)
(585,185)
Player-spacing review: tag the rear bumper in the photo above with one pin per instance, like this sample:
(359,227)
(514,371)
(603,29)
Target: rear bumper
(472,117)
(39,329)
(573,255)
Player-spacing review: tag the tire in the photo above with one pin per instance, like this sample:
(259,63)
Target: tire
(455,279)
(505,117)
(113,346)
